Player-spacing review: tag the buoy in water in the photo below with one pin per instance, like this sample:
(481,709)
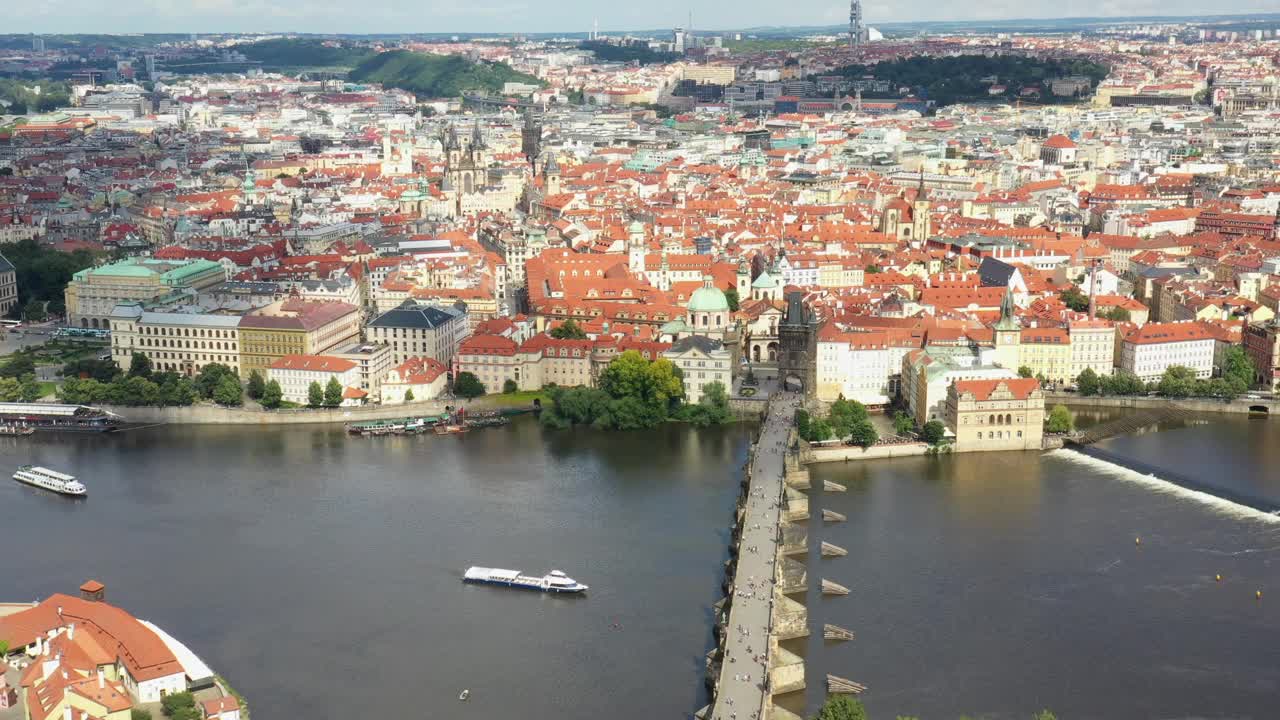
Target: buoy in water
(1258,594)
(464,695)
(1218,578)
(1137,541)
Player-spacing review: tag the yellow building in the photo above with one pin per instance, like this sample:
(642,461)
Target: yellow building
(295,327)
(1047,352)
(990,415)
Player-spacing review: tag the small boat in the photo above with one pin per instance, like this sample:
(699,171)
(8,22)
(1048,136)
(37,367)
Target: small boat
(450,429)
(464,695)
(47,479)
(554,581)
(16,430)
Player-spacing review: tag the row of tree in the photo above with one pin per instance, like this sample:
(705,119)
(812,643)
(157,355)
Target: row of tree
(102,381)
(847,419)
(634,393)
(1177,381)
(843,707)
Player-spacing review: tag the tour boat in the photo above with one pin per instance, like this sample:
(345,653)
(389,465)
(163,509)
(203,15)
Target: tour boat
(554,581)
(448,429)
(49,480)
(16,430)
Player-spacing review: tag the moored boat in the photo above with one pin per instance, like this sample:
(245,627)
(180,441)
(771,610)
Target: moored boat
(450,429)
(47,479)
(554,581)
(16,430)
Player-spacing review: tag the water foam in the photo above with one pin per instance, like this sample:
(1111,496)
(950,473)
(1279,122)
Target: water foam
(1165,487)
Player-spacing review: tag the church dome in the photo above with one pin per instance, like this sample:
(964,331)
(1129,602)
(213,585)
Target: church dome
(765,281)
(709,300)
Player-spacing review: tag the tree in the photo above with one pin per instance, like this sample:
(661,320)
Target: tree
(408,396)
(1121,383)
(802,423)
(315,395)
(333,392)
(272,395)
(101,370)
(1088,382)
(34,311)
(1060,420)
(933,432)
(133,391)
(819,430)
(841,707)
(1044,715)
(229,393)
(872,269)
(568,330)
(256,385)
(1238,370)
(1115,314)
(81,391)
(169,704)
(844,415)
(732,296)
(864,433)
(18,365)
(1025,372)
(1178,381)
(139,714)
(10,389)
(467,385)
(1073,298)
(902,423)
(178,391)
(30,389)
(139,366)
(211,377)
(509,387)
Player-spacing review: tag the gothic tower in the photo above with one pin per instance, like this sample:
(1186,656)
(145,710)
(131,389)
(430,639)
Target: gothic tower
(531,138)
(920,213)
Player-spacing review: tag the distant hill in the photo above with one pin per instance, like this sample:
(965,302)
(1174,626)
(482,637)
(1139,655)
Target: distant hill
(436,75)
(300,53)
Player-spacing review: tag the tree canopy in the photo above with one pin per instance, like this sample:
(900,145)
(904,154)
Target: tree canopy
(966,78)
(468,386)
(634,393)
(1059,420)
(841,707)
(332,393)
(568,330)
(436,76)
(43,273)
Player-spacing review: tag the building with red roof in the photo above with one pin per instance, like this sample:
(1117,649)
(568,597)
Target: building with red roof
(996,414)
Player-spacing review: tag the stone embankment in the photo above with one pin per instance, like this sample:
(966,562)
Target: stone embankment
(1243,405)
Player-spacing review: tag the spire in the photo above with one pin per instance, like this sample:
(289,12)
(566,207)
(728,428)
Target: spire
(477,138)
(551,166)
(921,193)
(1008,321)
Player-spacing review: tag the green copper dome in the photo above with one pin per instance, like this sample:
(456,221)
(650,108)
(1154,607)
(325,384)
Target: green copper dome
(708,299)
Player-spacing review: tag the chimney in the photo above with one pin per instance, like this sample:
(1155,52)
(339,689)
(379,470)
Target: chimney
(71,631)
(102,679)
(67,713)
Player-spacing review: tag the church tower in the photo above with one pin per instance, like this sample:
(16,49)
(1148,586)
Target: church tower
(743,279)
(1008,334)
(551,176)
(531,138)
(636,248)
(920,213)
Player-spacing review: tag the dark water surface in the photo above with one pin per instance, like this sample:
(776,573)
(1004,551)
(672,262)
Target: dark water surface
(998,584)
(321,574)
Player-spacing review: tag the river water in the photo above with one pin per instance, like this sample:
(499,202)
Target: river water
(999,584)
(320,573)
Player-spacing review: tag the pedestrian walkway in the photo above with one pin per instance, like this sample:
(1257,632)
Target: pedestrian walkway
(742,691)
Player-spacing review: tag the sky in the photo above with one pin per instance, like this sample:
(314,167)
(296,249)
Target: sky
(505,16)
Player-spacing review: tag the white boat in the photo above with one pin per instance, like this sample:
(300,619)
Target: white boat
(554,581)
(49,480)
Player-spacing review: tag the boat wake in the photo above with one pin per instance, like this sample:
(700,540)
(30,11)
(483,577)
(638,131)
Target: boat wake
(1240,509)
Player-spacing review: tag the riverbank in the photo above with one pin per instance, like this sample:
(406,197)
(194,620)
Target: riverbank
(1240,406)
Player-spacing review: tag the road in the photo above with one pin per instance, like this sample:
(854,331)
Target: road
(744,672)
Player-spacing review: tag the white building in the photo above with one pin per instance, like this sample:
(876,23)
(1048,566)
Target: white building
(703,361)
(295,373)
(1093,345)
(862,366)
(1149,350)
(416,330)
(414,379)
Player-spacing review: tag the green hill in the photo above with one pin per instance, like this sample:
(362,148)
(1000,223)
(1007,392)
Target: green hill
(295,53)
(436,75)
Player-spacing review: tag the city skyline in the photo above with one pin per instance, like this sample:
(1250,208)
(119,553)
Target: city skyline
(571,16)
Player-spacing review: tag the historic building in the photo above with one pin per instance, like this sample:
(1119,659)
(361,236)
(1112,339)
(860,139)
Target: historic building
(296,373)
(798,346)
(419,330)
(703,361)
(8,285)
(905,220)
(181,342)
(998,414)
(93,293)
(295,327)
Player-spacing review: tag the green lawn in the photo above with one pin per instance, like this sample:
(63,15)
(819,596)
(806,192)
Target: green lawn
(517,399)
(47,389)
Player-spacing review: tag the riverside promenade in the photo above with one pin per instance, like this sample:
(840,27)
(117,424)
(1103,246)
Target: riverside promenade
(743,686)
